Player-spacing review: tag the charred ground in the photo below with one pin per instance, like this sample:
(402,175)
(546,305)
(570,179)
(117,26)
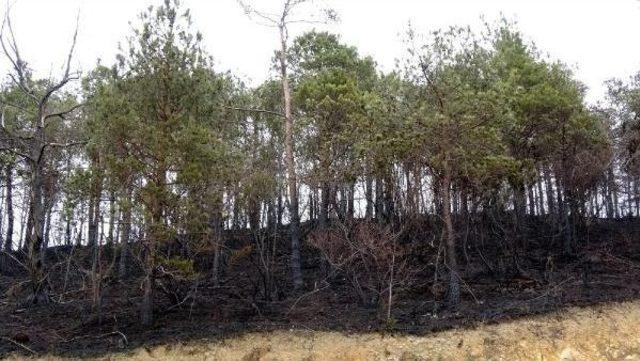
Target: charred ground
(605,267)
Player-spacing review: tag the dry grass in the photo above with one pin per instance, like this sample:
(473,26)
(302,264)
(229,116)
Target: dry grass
(609,332)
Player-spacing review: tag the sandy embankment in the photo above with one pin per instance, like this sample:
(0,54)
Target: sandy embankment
(609,332)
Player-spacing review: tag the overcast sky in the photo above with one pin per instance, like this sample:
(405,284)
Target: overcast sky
(599,39)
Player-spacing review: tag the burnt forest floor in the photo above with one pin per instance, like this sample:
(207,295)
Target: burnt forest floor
(605,269)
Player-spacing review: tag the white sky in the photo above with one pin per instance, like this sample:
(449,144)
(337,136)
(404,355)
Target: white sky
(598,38)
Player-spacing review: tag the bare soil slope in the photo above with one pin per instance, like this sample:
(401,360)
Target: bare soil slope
(606,332)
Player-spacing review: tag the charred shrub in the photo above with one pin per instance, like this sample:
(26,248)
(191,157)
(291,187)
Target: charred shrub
(370,257)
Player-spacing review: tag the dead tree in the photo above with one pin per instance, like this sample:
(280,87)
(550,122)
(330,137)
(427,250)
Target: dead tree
(32,144)
(281,21)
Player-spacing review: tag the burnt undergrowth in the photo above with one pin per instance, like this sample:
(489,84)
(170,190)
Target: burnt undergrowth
(253,295)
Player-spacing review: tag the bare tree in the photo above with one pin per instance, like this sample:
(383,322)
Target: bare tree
(32,144)
(281,21)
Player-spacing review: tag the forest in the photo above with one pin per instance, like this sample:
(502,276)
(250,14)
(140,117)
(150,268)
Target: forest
(159,196)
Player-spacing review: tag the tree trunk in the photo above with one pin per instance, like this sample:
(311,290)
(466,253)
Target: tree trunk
(341,202)
(323,216)
(614,191)
(532,200)
(636,196)
(519,201)
(216,227)
(454,200)
(67,231)
(235,220)
(368,194)
(254,214)
(551,209)
(454,273)
(47,230)
(124,237)
(112,218)
(569,217)
(2,197)
(561,202)
(34,246)
(271,215)
(155,233)
(628,205)
(94,209)
(146,309)
(410,197)
(350,202)
(608,194)
(80,226)
(279,209)
(294,226)
(29,224)
(96,282)
(312,205)
(541,210)
(379,204)
(8,242)
(437,195)
(389,209)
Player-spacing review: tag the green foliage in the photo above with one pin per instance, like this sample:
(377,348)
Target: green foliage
(179,268)
(333,84)
(457,112)
(624,97)
(160,119)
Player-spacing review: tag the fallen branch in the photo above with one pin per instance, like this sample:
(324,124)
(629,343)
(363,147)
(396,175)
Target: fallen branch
(304,296)
(19,344)
(549,290)
(124,337)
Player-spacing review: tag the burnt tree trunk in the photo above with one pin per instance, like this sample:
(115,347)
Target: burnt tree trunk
(452,260)
(8,242)
(36,217)
(124,237)
(350,201)
(541,210)
(323,215)
(551,206)
(112,219)
(216,227)
(368,194)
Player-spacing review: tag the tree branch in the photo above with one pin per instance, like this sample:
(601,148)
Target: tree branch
(62,114)
(67,72)
(65,145)
(19,66)
(256,111)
